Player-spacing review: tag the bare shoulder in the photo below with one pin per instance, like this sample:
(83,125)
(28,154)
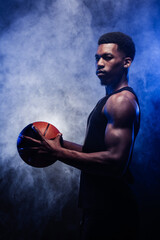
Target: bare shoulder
(121,108)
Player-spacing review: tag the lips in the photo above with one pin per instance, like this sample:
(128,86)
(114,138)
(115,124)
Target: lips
(100,72)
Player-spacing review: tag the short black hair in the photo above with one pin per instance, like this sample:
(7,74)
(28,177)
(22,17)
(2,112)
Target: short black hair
(124,42)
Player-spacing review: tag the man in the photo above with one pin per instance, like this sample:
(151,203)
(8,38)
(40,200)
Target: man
(109,208)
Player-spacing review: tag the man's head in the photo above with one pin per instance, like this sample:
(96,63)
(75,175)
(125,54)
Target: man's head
(124,42)
(114,56)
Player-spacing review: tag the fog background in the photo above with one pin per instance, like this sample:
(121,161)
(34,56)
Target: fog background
(47,73)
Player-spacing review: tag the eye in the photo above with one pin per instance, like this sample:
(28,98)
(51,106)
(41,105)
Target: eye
(97,57)
(107,57)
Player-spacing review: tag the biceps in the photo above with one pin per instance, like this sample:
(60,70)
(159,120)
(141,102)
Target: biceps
(119,141)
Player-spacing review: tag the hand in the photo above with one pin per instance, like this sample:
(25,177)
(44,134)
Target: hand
(43,146)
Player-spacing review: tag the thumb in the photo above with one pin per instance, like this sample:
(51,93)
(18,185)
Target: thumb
(59,138)
(59,135)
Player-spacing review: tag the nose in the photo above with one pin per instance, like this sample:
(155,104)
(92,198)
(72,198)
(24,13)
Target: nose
(100,63)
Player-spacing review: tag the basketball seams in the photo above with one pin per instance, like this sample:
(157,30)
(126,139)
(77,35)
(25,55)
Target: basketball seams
(46,130)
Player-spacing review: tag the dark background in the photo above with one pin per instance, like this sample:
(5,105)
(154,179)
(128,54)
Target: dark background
(47,73)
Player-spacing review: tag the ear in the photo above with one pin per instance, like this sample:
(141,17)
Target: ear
(127,62)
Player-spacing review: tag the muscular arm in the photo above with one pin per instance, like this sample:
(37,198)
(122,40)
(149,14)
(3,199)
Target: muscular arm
(72,146)
(121,114)
(121,111)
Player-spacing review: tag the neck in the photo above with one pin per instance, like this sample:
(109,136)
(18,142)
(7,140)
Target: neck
(117,85)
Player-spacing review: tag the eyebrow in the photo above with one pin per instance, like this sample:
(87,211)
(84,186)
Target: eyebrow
(104,55)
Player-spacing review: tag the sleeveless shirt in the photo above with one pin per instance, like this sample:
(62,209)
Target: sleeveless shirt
(96,191)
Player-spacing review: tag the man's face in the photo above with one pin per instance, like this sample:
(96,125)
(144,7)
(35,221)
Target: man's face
(110,63)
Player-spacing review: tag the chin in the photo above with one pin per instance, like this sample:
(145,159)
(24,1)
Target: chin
(103,82)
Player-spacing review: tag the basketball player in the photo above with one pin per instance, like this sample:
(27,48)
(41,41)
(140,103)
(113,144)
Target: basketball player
(110,211)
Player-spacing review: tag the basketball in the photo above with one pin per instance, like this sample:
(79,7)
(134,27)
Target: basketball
(47,130)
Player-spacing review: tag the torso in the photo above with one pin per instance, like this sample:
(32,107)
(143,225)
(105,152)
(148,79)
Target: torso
(97,120)
(96,190)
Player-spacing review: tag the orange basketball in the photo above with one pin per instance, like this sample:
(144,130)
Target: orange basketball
(47,130)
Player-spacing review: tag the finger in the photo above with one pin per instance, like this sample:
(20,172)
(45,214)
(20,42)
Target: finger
(56,138)
(59,135)
(59,139)
(29,139)
(33,150)
(38,132)
(28,149)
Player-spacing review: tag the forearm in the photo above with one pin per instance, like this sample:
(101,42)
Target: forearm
(103,163)
(72,146)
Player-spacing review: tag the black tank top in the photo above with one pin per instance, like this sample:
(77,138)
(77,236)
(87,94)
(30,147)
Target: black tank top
(94,190)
